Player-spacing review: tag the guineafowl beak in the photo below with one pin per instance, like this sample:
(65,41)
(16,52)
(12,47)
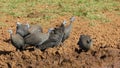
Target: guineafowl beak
(10,31)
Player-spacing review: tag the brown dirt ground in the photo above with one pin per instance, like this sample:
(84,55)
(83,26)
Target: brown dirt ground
(106,53)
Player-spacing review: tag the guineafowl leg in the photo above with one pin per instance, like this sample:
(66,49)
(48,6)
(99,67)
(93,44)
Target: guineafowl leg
(18,50)
(35,48)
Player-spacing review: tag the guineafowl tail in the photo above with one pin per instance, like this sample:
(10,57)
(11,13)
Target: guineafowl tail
(72,19)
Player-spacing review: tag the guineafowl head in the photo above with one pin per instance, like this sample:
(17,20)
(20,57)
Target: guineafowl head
(85,42)
(18,23)
(72,19)
(50,30)
(10,31)
(62,26)
(64,22)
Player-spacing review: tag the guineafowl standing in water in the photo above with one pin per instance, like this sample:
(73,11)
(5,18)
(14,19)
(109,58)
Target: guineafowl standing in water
(37,38)
(67,29)
(55,38)
(16,40)
(22,29)
(85,42)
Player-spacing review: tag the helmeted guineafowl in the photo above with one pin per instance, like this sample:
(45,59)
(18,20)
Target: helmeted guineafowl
(22,29)
(85,42)
(25,29)
(16,40)
(37,38)
(55,38)
(68,29)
